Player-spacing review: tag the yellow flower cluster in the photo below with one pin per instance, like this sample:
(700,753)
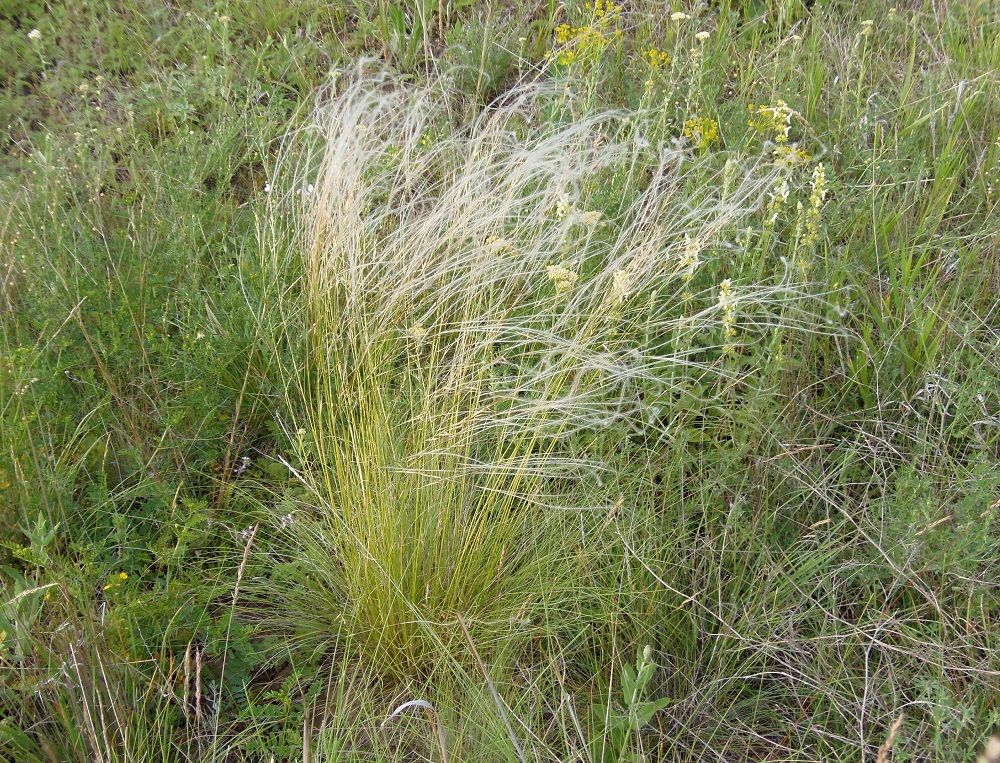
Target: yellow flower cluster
(789,155)
(587,42)
(773,121)
(605,10)
(562,277)
(116,581)
(703,132)
(656,59)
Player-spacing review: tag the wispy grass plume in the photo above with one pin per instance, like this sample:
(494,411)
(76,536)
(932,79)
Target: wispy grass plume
(473,326)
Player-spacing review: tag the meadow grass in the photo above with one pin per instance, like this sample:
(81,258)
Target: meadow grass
(499,381)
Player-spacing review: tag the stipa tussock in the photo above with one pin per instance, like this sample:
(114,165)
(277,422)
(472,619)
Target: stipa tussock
(484,303)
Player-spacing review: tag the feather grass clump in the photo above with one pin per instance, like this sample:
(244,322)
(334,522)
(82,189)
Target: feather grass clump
(484,301)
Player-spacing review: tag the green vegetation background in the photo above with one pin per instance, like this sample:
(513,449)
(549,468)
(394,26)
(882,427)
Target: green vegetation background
(843,513)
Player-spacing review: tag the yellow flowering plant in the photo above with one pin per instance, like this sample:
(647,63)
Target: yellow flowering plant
(817,200)
(727,304)
(656,59)
(702,132)
(790,155)
(655,66)
(585,43)
(115,582)
(772,122)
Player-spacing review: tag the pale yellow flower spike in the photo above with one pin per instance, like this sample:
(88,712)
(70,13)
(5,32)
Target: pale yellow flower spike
(727,302)
(817,200)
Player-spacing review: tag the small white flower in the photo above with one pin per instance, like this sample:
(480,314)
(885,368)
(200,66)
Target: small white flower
(702,36)
(690,260)
(22,390)
(562,205)
(241,466)
(679,16)
(591,218)
(866,26)
(34,35)
(781,193)
(267,188)
(309,189)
